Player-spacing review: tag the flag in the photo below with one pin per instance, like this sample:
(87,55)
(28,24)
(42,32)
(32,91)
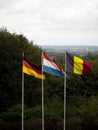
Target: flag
(49,66)
(77,65)
(32,70)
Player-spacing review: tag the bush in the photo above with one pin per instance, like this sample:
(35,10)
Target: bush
(10,126)
(89,111)
(73,123)
(13,114)
(33,124)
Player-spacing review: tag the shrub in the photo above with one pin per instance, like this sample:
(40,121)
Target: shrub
(33,124)
(13,114)
(73,123)
(10,126)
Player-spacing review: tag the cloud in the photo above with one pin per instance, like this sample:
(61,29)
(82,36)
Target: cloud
(52,21)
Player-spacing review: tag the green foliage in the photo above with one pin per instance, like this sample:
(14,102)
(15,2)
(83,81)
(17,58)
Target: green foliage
(54,111)
(85,109)
(12,115)
(33,124)
(82,91)
(73,123)
(89,111)
(11,48)
(54,86)
(32,112)
(10,126)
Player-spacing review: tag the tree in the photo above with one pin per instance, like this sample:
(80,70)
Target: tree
(11,48)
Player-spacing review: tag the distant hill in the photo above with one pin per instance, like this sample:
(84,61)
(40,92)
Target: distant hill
(69,47)
(74,49)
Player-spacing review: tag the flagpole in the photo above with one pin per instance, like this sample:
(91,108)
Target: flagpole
(65,94)
(42,97)
(22,96)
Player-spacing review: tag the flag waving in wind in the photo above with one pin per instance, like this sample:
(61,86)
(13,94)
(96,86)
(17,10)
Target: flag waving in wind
(77,65)
(32,70)
(49,66)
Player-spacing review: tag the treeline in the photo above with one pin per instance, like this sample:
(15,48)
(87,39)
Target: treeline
(81,91)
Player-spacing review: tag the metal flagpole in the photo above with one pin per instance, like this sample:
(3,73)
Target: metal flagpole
(65,94)
(22,96)
(42,97)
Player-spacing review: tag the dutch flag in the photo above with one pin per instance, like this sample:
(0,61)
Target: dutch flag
(49,66)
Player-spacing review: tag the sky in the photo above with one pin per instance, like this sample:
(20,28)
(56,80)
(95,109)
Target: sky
(52,22)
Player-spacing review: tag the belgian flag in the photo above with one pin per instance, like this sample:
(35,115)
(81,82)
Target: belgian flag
(33,70)
(77,65)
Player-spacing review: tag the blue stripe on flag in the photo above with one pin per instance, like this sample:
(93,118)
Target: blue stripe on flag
(53,71)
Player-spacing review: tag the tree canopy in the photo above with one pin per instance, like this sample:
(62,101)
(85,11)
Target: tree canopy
(81,90)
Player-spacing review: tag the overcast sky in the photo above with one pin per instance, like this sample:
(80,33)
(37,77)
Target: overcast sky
(52,22)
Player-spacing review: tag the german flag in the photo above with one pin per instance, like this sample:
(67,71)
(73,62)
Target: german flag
(32,70)
(77,65)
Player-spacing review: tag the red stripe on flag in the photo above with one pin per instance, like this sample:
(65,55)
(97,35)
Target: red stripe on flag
(26,64)
(49,59)
(87,67)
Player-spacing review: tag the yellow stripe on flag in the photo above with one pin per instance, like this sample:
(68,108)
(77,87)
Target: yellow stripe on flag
(32,73)
(78,65)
